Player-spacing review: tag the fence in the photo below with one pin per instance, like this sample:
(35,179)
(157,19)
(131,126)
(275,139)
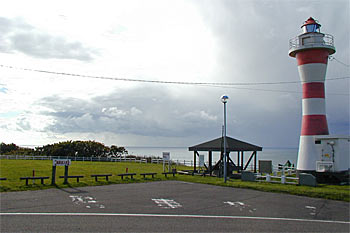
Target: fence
(283,179)
(177,162)
(101,159)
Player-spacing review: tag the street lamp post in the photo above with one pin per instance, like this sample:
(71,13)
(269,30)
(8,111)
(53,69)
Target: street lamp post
(224,99)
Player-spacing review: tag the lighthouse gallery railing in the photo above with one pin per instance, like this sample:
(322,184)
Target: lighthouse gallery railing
(296,43)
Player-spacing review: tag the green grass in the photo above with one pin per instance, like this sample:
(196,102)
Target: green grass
(332,192)
(14,169)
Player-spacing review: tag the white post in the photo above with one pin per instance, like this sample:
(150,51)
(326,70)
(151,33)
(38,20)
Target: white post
(283,179)
(268,177)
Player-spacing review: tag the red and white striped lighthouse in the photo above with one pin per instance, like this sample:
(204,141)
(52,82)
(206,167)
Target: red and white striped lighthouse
(311,49)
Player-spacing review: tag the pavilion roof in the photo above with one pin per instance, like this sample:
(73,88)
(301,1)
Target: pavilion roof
(231,145)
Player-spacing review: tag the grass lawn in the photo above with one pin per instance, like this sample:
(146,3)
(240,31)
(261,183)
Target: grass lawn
(14,169)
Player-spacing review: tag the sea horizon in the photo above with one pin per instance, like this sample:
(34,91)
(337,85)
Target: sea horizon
(278,155)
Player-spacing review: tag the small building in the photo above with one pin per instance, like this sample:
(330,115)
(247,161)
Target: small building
(232,145)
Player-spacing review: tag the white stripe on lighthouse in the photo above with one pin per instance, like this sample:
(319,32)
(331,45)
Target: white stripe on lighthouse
(312,72)
(307,155)
(314,106)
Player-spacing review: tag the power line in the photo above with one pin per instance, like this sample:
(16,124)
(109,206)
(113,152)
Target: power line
(278,91)
(331,58)
(160,81)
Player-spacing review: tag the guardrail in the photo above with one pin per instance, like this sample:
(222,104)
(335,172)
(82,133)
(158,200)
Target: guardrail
(178,162)
(101,159)
(279,175)
(296,42)
(277,179)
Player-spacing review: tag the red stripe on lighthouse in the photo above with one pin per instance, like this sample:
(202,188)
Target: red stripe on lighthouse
(313,90)
(312,56)
(314,125)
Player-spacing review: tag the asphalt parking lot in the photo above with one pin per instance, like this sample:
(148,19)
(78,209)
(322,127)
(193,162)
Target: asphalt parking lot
(168,206)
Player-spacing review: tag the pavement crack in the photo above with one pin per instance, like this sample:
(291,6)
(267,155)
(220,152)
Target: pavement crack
(318,211)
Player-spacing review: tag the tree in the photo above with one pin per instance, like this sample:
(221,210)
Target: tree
(12,149)
(117,151)
(67,148)
(76,148)
(6,148)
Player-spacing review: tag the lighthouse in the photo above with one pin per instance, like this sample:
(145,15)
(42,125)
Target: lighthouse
(311,50)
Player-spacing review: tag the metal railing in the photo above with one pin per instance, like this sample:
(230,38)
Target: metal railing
(277,179)
(280,175)
(178,162)
(296,43)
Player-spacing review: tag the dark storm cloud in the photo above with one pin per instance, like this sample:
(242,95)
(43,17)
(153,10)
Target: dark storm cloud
(253,36)
(154,111)
(145,112)
(253,42)
(16,35)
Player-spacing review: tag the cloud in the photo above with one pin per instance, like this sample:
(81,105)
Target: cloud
(23,124)
(115,112)
(181,113)
(3,89)
(150,111)
(143,114)
(201,115)
(18,36)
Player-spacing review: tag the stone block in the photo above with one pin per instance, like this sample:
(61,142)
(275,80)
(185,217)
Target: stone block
(307,179)
(248,176)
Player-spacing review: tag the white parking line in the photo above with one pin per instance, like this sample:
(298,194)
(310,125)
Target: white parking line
(175,216)
(167,203)
(240,205)
(87,201)
(312,209)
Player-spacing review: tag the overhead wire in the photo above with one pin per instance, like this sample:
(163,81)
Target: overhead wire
(206,84)
(331,58)
(160,81)
(272,90)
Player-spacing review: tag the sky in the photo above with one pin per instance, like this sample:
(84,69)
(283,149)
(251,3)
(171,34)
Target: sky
(191,41)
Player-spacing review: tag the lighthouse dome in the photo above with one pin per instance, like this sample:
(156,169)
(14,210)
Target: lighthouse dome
(311,25)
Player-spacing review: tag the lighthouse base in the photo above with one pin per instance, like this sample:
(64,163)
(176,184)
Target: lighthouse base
(308,154)
(342,178)
(326,157)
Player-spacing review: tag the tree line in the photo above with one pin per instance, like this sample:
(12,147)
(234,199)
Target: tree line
(67,148)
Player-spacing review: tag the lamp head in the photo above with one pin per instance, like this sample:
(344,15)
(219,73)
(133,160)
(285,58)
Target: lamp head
(224,99)
(332,143)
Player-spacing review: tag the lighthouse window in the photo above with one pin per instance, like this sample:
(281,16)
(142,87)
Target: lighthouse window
(311,28)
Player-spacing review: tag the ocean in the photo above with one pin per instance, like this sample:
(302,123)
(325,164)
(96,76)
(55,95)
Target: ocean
(277,155)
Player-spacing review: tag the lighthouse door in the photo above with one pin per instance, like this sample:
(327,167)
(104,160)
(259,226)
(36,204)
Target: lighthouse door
(327,156)
(327,152)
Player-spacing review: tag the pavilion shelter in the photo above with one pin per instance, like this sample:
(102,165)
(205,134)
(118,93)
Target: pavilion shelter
(232,145)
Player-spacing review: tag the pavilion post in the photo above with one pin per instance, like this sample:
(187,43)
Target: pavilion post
(195,161)
(255,161)
(210,162)
(238,164)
